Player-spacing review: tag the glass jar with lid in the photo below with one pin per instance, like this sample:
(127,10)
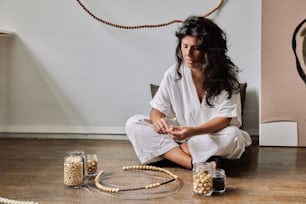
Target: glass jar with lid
(202,179)
(91,164)
(73,171)
(81,154)
(219,177)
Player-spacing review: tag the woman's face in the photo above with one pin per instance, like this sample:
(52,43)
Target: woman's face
(191,53)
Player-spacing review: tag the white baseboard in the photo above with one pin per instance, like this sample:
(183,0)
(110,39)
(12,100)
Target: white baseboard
(62,136)
(62,129)
(63,132)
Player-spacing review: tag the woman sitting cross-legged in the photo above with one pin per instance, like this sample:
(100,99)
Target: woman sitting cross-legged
(196,112)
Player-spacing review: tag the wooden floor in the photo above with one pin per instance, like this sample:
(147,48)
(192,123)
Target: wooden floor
(32,170)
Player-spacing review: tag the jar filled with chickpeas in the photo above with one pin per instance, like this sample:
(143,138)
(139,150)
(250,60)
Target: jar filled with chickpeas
(73,171)
(202,179)
(80,154)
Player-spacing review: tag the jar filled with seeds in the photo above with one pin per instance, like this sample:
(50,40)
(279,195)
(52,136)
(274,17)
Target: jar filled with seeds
(91,164)
(80,154)
(202,179)
(73,171)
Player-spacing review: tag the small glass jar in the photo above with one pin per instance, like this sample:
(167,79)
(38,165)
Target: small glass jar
(80,154)
(73,171)
(202,179)
(91,164)
(219,178)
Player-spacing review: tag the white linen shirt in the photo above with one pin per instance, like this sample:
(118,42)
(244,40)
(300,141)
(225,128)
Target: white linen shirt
(177,98)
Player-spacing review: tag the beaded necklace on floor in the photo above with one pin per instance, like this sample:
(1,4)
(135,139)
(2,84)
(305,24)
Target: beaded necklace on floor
(139,167)
(11,201)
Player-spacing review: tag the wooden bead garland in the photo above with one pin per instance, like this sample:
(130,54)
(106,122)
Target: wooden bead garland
(11,201)
(139,167)
(146,25)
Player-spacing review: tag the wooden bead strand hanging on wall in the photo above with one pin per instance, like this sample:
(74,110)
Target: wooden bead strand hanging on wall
(221,3)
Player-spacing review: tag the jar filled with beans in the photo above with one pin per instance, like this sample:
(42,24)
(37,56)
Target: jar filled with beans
(202,179)
(80,154)
(91,164)
(73,171)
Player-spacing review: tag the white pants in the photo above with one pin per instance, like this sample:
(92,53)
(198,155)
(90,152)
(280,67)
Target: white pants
(228,143)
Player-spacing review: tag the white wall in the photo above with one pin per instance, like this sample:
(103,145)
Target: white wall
(69,73)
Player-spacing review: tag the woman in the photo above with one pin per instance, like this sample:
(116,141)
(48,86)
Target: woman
(196,112)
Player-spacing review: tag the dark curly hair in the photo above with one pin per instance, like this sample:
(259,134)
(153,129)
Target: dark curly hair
(219,72)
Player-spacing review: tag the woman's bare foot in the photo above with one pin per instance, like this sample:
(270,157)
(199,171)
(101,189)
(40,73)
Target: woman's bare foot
(213,165)
(215,162)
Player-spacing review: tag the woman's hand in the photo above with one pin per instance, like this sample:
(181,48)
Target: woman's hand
(160,126)
(158,121)
(181,132)
(212,126)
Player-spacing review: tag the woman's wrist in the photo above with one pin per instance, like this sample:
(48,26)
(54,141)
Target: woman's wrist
(155,115)
(197,130)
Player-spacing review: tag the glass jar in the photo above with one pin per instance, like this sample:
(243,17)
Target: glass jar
(73,171)
(202,179)
(91,164)
(80,154)
(219,181)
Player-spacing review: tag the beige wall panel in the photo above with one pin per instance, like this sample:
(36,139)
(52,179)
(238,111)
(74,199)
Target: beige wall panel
(283,90)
